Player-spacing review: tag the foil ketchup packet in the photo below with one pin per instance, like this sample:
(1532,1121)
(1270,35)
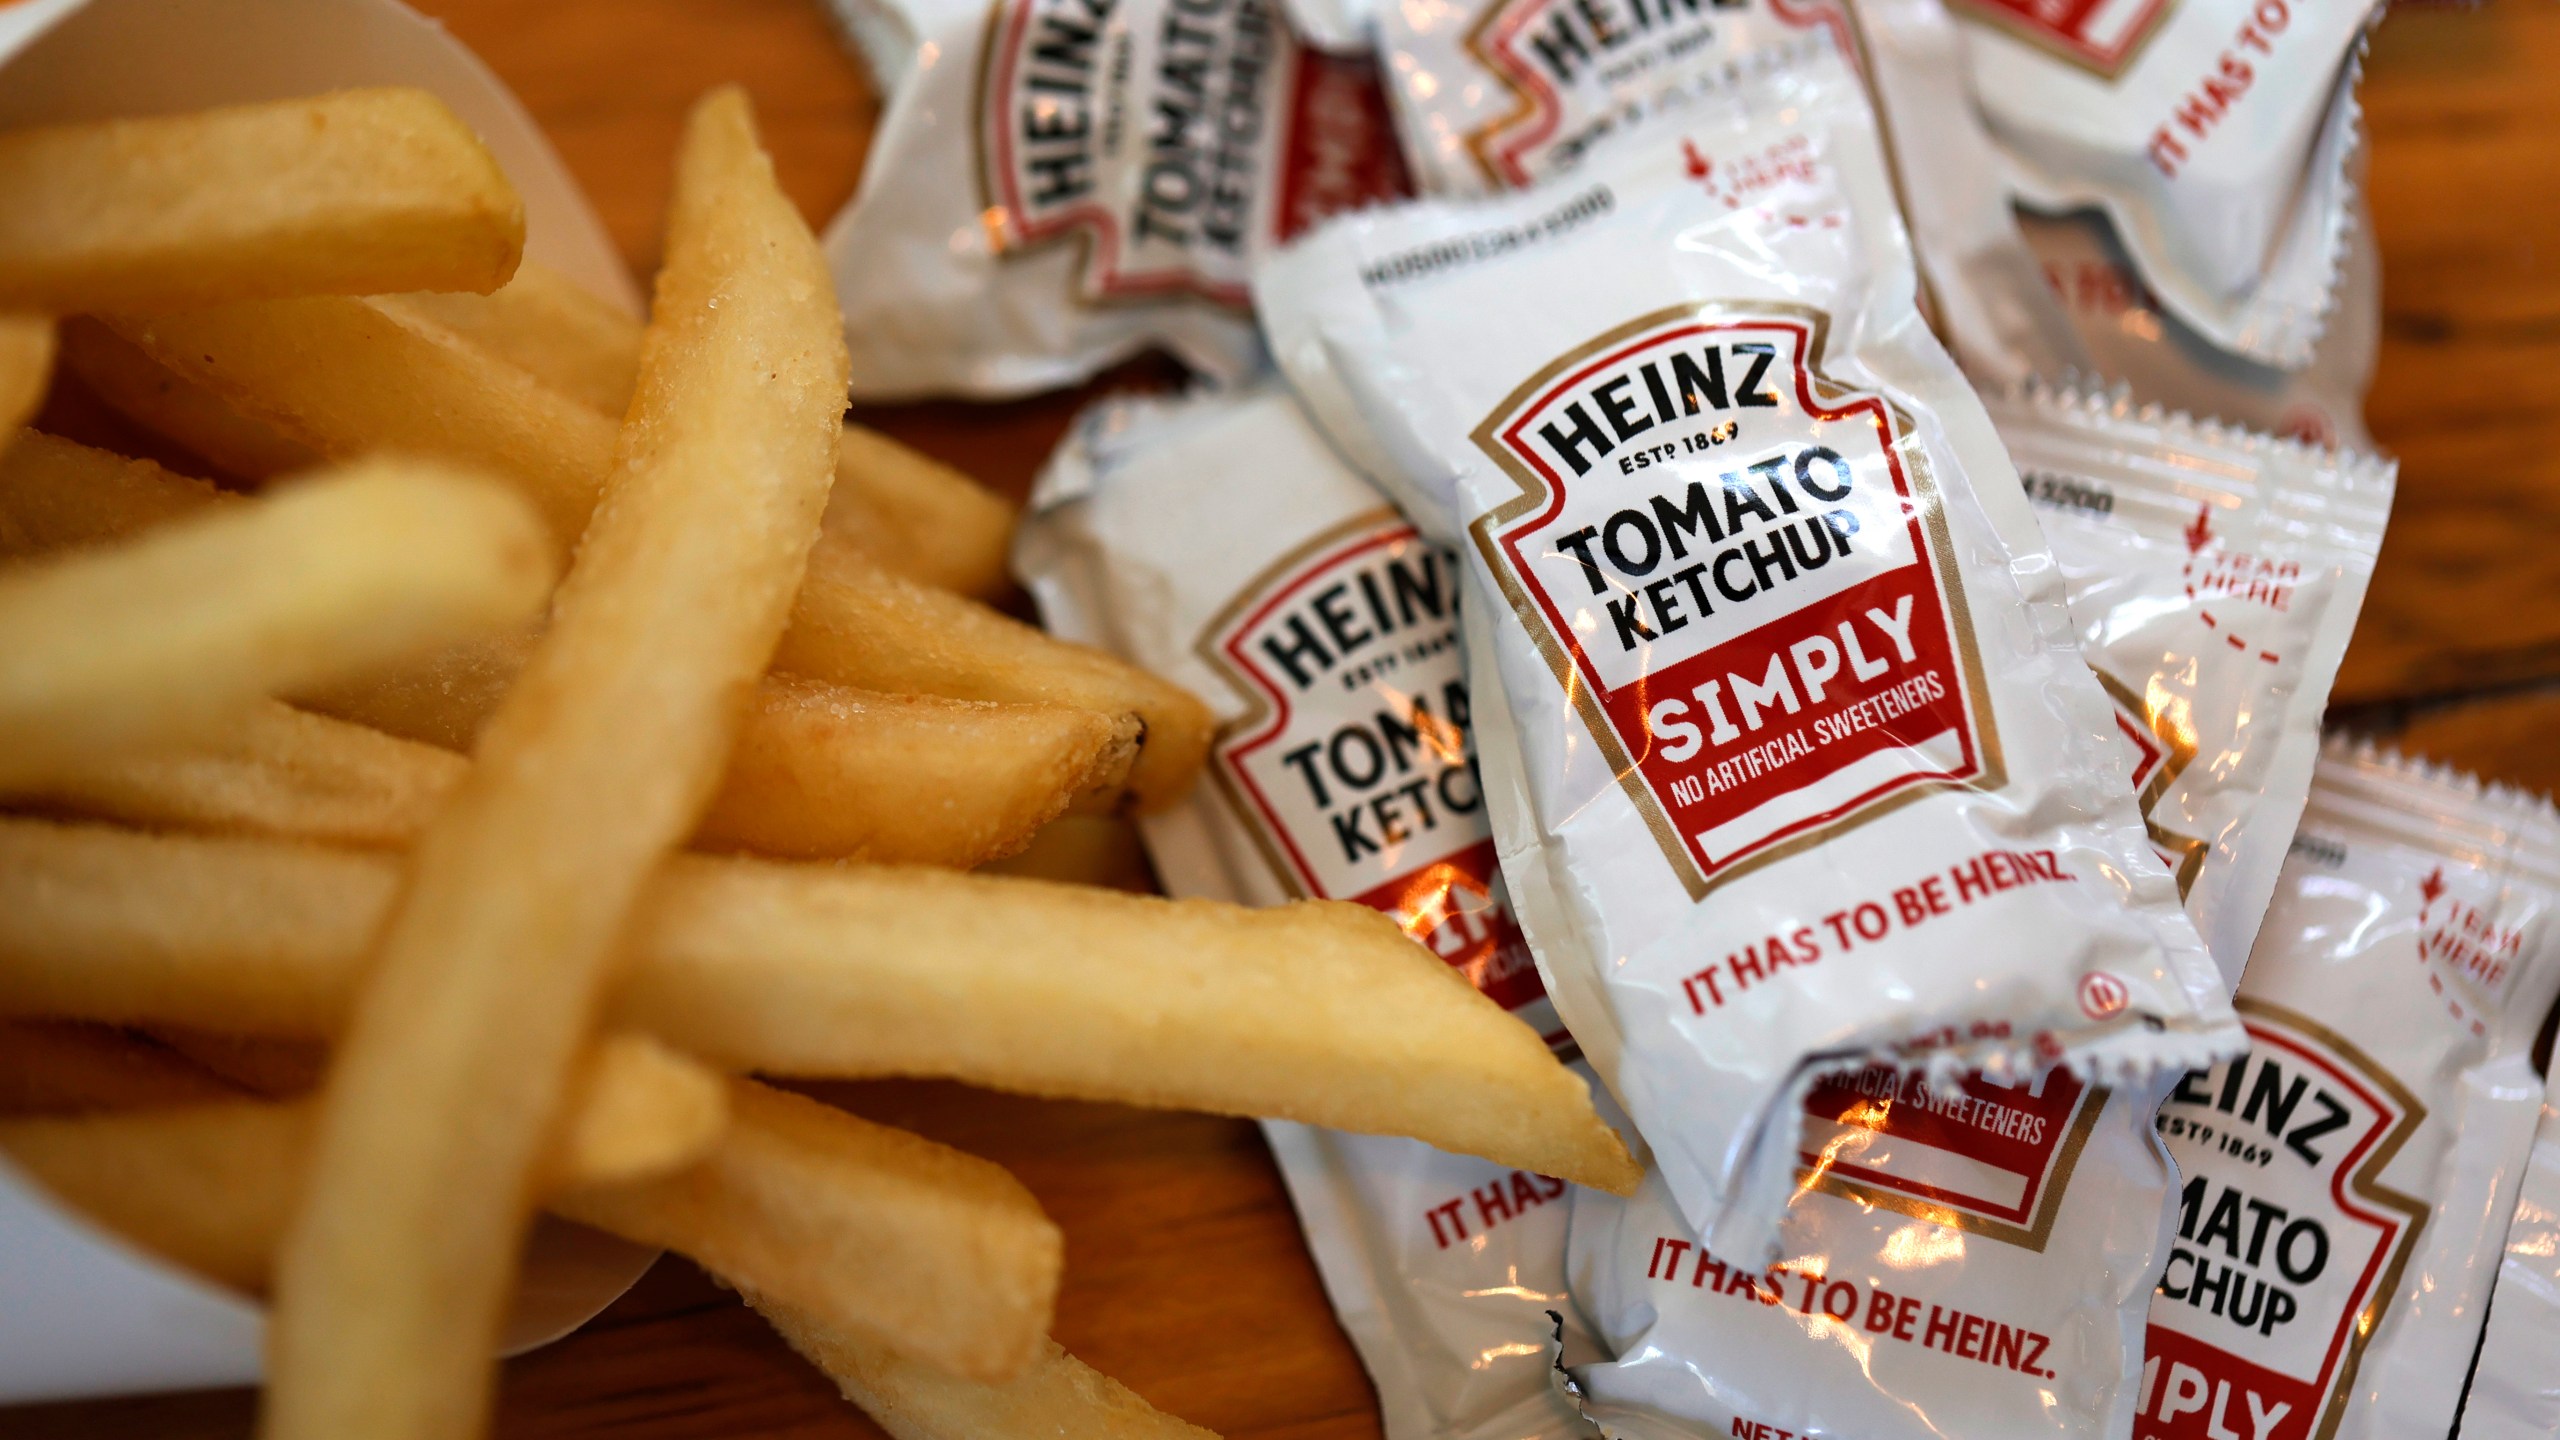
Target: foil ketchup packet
(2215,575)
(1324,629)
(2216,135)
(1057,185)
(1791,758)
(1965,1258)
(2345,1187)
(1977,1258)
(1492,95)
(2130,339)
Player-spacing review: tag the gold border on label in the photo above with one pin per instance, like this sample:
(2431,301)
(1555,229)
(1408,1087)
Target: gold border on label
(2367,1183)
(1258,709)
(1479,141)
(2179,753)
(1902,436)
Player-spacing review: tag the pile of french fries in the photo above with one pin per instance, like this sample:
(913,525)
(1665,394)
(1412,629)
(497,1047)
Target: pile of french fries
(509,726)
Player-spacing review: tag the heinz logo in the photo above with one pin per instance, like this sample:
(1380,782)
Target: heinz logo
(1578,71)
(2288,1243)
(1734,562)
(1175,149)
(1354,766)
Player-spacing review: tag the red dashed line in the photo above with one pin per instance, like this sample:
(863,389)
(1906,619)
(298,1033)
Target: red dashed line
(2234,641)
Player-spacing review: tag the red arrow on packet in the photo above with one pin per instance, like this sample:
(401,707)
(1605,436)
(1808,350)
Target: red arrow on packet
(2201,532)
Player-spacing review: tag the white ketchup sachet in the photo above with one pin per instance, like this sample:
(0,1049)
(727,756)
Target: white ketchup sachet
(1791,755)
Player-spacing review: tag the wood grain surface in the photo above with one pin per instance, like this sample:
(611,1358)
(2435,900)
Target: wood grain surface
(1186,1277)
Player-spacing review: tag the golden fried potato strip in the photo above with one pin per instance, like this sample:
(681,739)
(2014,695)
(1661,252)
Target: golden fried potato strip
(393,1278)
(1320,1012)
(936,1255)
(351,193)
(175,633)
(210,1184)
(1058,1398)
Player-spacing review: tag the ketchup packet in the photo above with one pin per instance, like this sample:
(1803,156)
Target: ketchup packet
(2215,575)
(1323,628)
(1059,184)
(2130,339)
(1494,94)
(1970,1260)
(2515,1386)
(2347,1183)
(1791,755)
(2215,134)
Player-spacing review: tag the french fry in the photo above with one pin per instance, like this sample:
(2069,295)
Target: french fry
(1057,1398)
(912,514)
(352,193)
(860,625)
(904,509)
(26,368)
(152,396)
(204,1186)
(1082,850)
(56,494)
(820,771)
(61,1067)
(392,1280)
(912,1245)
(548,325)
(939,1255)
(441,699)
(817,770)
(173,634)
(634,1111)
(1319,1012)
(211,1184)
(482,382)
(346,376)
(275,771)
(59,494)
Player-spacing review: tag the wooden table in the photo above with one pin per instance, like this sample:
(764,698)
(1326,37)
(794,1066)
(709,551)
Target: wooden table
(1185,1275)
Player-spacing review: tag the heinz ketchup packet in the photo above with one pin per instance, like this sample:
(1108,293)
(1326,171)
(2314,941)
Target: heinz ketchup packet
(1977,1259)
(1969,1259)
(2515,1386)
(2215,575)
(1791,756)
(2215,134)
(1059,184)
(1495,94)
(2347,1183)
(1288,593)
(2131,339)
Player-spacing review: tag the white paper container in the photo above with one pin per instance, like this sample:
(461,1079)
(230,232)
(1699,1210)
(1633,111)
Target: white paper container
(81,1313)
